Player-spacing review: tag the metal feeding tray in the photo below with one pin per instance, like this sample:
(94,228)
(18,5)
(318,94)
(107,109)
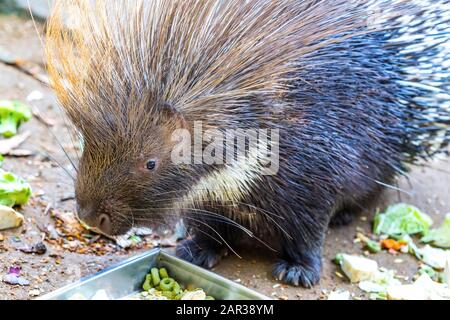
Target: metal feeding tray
(126,278)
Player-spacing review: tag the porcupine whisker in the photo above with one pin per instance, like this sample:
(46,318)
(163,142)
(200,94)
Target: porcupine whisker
(156,219)
(187,248)
(211,215)
(215,231)
(196,228)
(207,200)
(46,125)
(161,222)
(58,164)
(219,218)
(223,204)
(265,212)
(254,237)
(124,217)
(55,181)
(207,213)
(67,126)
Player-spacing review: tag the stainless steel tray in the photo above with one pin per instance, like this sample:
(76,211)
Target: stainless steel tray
(127,277)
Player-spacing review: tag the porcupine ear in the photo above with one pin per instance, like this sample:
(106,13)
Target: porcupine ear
(169,114)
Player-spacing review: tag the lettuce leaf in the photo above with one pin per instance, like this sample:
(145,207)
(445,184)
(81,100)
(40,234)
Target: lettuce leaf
(13,189)
(401,219)
(439,237)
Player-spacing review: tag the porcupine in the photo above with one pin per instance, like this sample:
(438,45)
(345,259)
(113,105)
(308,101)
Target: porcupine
(357,89)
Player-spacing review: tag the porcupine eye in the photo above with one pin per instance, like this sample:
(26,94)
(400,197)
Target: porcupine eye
(151,165)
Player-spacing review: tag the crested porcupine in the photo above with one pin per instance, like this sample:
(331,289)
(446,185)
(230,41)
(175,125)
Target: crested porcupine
(356,90)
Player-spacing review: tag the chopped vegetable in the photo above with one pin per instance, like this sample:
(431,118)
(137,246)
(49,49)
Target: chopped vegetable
(155,276)
(370,286)
(385,277)
(339,295)
(424,288)
(12,115)
(372,246)
(338,259)
(401,219)
(135,238)
(430,271)
(13,190)
(13,277)
(159,286)
(194,295)
(378,296)
(163,273)
(358,268)
(393,244)
(167,284)
(433,257)
(9,218)
(446,273)
(379,282)
(439,237)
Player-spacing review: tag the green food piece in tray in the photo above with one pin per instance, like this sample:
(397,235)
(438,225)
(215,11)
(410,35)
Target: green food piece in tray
(12,115)
(178,296)
(158,284)
(13,189)
(147,283)
(401,219)
(163,273)
(176,288)
(439,237)
(1,160)
(167,284)
(169,295)
(155,276)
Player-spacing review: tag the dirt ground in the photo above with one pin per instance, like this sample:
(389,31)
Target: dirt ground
(428,188)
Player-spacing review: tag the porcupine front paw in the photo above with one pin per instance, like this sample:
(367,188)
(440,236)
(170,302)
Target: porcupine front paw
(201,253)
(304,272)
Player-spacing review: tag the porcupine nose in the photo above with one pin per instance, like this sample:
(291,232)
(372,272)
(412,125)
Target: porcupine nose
(104,223)
(91,218)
